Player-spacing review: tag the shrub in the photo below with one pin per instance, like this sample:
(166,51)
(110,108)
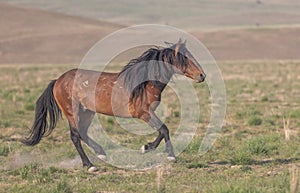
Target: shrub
(262,145)
(4,151)
(257,146)
(264,99)
(29,107)
(63,186)
(241,157)
(238,188)
(294,114)
(254,120)
(196,165)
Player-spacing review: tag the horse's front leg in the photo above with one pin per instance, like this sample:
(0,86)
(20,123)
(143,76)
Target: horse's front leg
(156,123)
(153,145)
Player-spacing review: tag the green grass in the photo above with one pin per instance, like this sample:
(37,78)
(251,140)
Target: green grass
(254,120)
(4,150)
(251,154)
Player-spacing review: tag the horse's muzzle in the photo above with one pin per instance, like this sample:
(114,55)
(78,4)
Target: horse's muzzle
(200,78)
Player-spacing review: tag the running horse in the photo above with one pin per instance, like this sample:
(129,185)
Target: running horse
(135,92)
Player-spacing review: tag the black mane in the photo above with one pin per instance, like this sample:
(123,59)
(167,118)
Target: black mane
(156,65)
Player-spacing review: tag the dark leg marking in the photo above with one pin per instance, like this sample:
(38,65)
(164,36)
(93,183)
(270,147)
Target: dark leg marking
(156,123)
(85,119)
(76,141)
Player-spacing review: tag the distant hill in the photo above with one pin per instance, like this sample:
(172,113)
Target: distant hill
(187,14)
(35,36)
(253,44)
(30,35)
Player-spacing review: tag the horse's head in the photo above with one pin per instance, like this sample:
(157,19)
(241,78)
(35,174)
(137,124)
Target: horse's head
(186,63)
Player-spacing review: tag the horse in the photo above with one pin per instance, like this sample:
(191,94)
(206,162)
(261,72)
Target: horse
(134,92)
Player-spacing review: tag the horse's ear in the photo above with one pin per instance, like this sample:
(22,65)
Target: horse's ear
(177,47)
(184,43)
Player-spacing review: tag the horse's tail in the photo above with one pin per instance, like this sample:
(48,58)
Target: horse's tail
(45,105)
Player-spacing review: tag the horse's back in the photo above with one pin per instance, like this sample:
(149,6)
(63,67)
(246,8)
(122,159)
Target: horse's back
(101,92)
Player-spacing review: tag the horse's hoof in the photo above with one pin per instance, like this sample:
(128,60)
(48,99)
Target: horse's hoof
(92,169)
(171,159)
(147,148)
(143,149)
(102,157)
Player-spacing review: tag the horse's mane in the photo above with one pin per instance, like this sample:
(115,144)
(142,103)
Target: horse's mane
(156,65)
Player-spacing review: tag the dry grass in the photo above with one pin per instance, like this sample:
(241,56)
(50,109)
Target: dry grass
(295,178)
(287,131)
(246,158)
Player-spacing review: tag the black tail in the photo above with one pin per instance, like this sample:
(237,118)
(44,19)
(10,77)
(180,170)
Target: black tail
(45,105)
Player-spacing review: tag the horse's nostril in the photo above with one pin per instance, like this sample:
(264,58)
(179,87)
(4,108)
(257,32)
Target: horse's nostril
(200,77)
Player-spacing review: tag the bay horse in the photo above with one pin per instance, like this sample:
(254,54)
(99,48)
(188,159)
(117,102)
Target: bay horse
(135,92)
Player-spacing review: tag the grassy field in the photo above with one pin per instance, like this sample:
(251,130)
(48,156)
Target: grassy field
(258,150)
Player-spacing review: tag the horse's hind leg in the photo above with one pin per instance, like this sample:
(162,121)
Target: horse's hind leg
(77,143)
(72,117)
(85,119)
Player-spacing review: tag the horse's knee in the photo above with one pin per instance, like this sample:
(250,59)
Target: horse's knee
(165,132)
(75,137)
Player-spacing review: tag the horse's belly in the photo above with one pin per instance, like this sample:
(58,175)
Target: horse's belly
(112,105)
(113,110)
